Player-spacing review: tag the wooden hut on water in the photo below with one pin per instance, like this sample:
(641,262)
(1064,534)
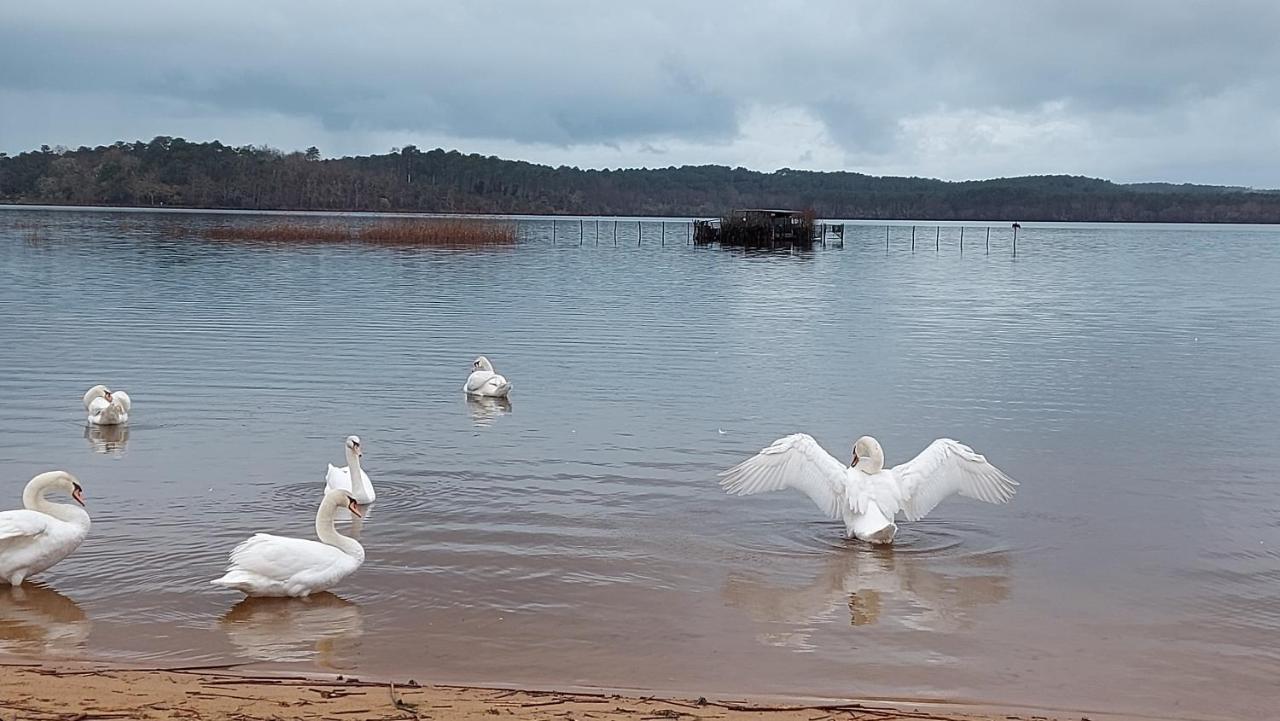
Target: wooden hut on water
(758,227)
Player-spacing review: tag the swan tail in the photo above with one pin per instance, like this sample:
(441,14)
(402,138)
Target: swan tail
(873,526)
(236,579)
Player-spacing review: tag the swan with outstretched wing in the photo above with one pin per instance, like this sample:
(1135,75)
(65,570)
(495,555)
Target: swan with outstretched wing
(866,495)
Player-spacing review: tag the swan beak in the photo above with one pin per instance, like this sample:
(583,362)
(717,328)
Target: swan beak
(78,495)
(355,509)
(854,462)
(107,396)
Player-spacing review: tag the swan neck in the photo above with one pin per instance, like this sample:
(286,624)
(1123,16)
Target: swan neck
(327,532)
(872,465)
(33,498)
(94,393)
(357,476)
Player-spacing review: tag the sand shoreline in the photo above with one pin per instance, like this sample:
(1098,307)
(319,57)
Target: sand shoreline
(84,691)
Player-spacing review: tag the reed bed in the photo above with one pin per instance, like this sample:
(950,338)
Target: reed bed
(443,232)
(33,232)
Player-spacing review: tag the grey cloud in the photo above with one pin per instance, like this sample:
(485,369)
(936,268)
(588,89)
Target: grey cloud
(630,77)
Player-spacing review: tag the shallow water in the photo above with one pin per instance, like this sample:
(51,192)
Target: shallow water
(1129,376)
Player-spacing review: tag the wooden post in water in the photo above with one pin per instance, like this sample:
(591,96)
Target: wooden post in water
(937,238)
(597,231)
(913,239)
(886,240)
(615,233)
(664,234)
(1015,239)
(988,240)
(962,240)
(579,232)
(553,231)
(639,233)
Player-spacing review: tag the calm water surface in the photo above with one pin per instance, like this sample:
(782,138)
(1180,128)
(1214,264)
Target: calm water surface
(1129,376)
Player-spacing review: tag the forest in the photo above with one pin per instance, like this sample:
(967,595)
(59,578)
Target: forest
(170,171)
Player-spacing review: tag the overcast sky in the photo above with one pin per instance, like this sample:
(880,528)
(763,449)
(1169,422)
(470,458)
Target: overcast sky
(1178,91)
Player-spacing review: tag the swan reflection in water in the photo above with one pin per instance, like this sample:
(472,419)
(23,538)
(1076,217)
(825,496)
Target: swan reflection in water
(486,410)
(323,629)
(107,439)
(874,585)
(39,621)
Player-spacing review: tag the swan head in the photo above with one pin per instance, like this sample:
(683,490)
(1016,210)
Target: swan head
(354,507)
(57,481)
(481,364)
(353,446)
(337,498)
(868,457)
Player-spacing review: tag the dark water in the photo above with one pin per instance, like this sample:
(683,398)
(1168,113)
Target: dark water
(1129,376)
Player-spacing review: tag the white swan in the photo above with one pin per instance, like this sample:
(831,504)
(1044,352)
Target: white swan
(106,408)
(483,381)
(267,565)
(43,532)
(340,478)
(865,495)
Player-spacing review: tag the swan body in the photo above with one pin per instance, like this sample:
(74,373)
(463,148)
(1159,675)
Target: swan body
(340,478)
(483,381)
(41,533)
(267,565)
(106,408)
(866,495)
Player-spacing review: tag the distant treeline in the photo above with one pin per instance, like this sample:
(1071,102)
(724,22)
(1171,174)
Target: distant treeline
(174,172)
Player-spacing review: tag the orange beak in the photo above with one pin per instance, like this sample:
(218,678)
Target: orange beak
(78,495)
(355,508)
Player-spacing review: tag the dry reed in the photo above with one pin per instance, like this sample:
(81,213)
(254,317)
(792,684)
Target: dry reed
(445,232)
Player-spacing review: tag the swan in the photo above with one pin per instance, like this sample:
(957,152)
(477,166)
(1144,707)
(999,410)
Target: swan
(106,408)
(42,532)
(267,565)
(340,478)
(483,381)
(866,495)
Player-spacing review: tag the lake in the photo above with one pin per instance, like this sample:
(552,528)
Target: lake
(1127,375)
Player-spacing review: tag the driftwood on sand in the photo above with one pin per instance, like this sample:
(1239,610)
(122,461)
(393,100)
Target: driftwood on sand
(84,692)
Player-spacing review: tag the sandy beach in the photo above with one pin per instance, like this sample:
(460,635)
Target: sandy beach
(80,692)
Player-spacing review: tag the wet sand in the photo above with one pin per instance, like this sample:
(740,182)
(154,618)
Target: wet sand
(81,692)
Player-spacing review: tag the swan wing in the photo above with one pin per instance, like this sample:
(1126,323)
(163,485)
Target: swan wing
(339,478)
(944,469)
(98,405)
(125,400)
(476,380)
(795,461)
(281,558)
(22,525)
